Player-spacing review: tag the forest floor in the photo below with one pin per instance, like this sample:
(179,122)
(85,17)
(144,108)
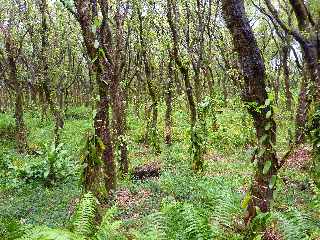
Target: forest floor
(213,198)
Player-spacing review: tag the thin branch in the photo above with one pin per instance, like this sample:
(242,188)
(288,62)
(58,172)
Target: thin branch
(289,31)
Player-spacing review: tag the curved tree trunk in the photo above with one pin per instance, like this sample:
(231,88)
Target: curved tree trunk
(255,95)
(21,138)
(197,150)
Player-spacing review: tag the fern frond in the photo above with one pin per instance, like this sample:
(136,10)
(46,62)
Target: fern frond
(110,228)
(46,233)
(294,224)
(196,223)
(157,226)
(226,209)
(84,216)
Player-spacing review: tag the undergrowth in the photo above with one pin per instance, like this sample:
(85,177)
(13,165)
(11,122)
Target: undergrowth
(177,205)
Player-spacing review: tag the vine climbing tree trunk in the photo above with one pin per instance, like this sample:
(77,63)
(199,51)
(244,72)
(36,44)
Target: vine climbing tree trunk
(46,85)
(151,88)
(168,99)
(286,72)
(103,71)
(172,16)
(255,96)
(21,138)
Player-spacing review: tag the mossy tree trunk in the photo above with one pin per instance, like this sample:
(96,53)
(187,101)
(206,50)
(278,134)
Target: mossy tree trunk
(11,50)
(46,83)
(255,96)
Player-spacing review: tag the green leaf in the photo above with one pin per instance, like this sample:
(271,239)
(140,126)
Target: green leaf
(258,237)
(263,138)
(246,200)
(268,115)
(261,152)
(268,126)
(266,167)
(273,181)
(268,102)
(46,174)
(101,144)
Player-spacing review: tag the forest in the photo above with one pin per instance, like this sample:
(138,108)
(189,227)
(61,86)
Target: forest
(160,119)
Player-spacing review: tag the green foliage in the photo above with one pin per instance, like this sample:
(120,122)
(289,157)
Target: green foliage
(177,221)
(52,164)
(258,225)
(46,233)
(181,205)
(83,225)
(7,127)
(10,228)
(294,224)
(110,228)
(314,133)
(77,113)
(83,219)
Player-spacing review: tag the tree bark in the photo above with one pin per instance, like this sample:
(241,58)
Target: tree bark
(21,138)
(101,68)
(286,72)
(168,100)
(255,95)
(46,85)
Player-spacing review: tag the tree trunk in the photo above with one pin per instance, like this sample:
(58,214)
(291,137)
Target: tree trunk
(103,71)
(168,100)
(58,119)
(255,95)
(196,147)
(302,109)
(119,121)
(102,130)
(151,88)
(21,138)
(286,72)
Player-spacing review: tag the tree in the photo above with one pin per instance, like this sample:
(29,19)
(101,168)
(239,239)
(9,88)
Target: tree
(307,37)
(13,52)
(46,84)
(172,16)
(255,96)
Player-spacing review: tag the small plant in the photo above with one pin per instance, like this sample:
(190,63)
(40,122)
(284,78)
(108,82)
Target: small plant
(83,225)
(314,134)
(56,166)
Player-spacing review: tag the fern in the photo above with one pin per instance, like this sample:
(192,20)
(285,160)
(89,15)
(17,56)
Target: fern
(110,229)
(46,233)
(177,221)
(226,209)
(196,223)
(82,224)
(295,225)
(84,215)
(155,229)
